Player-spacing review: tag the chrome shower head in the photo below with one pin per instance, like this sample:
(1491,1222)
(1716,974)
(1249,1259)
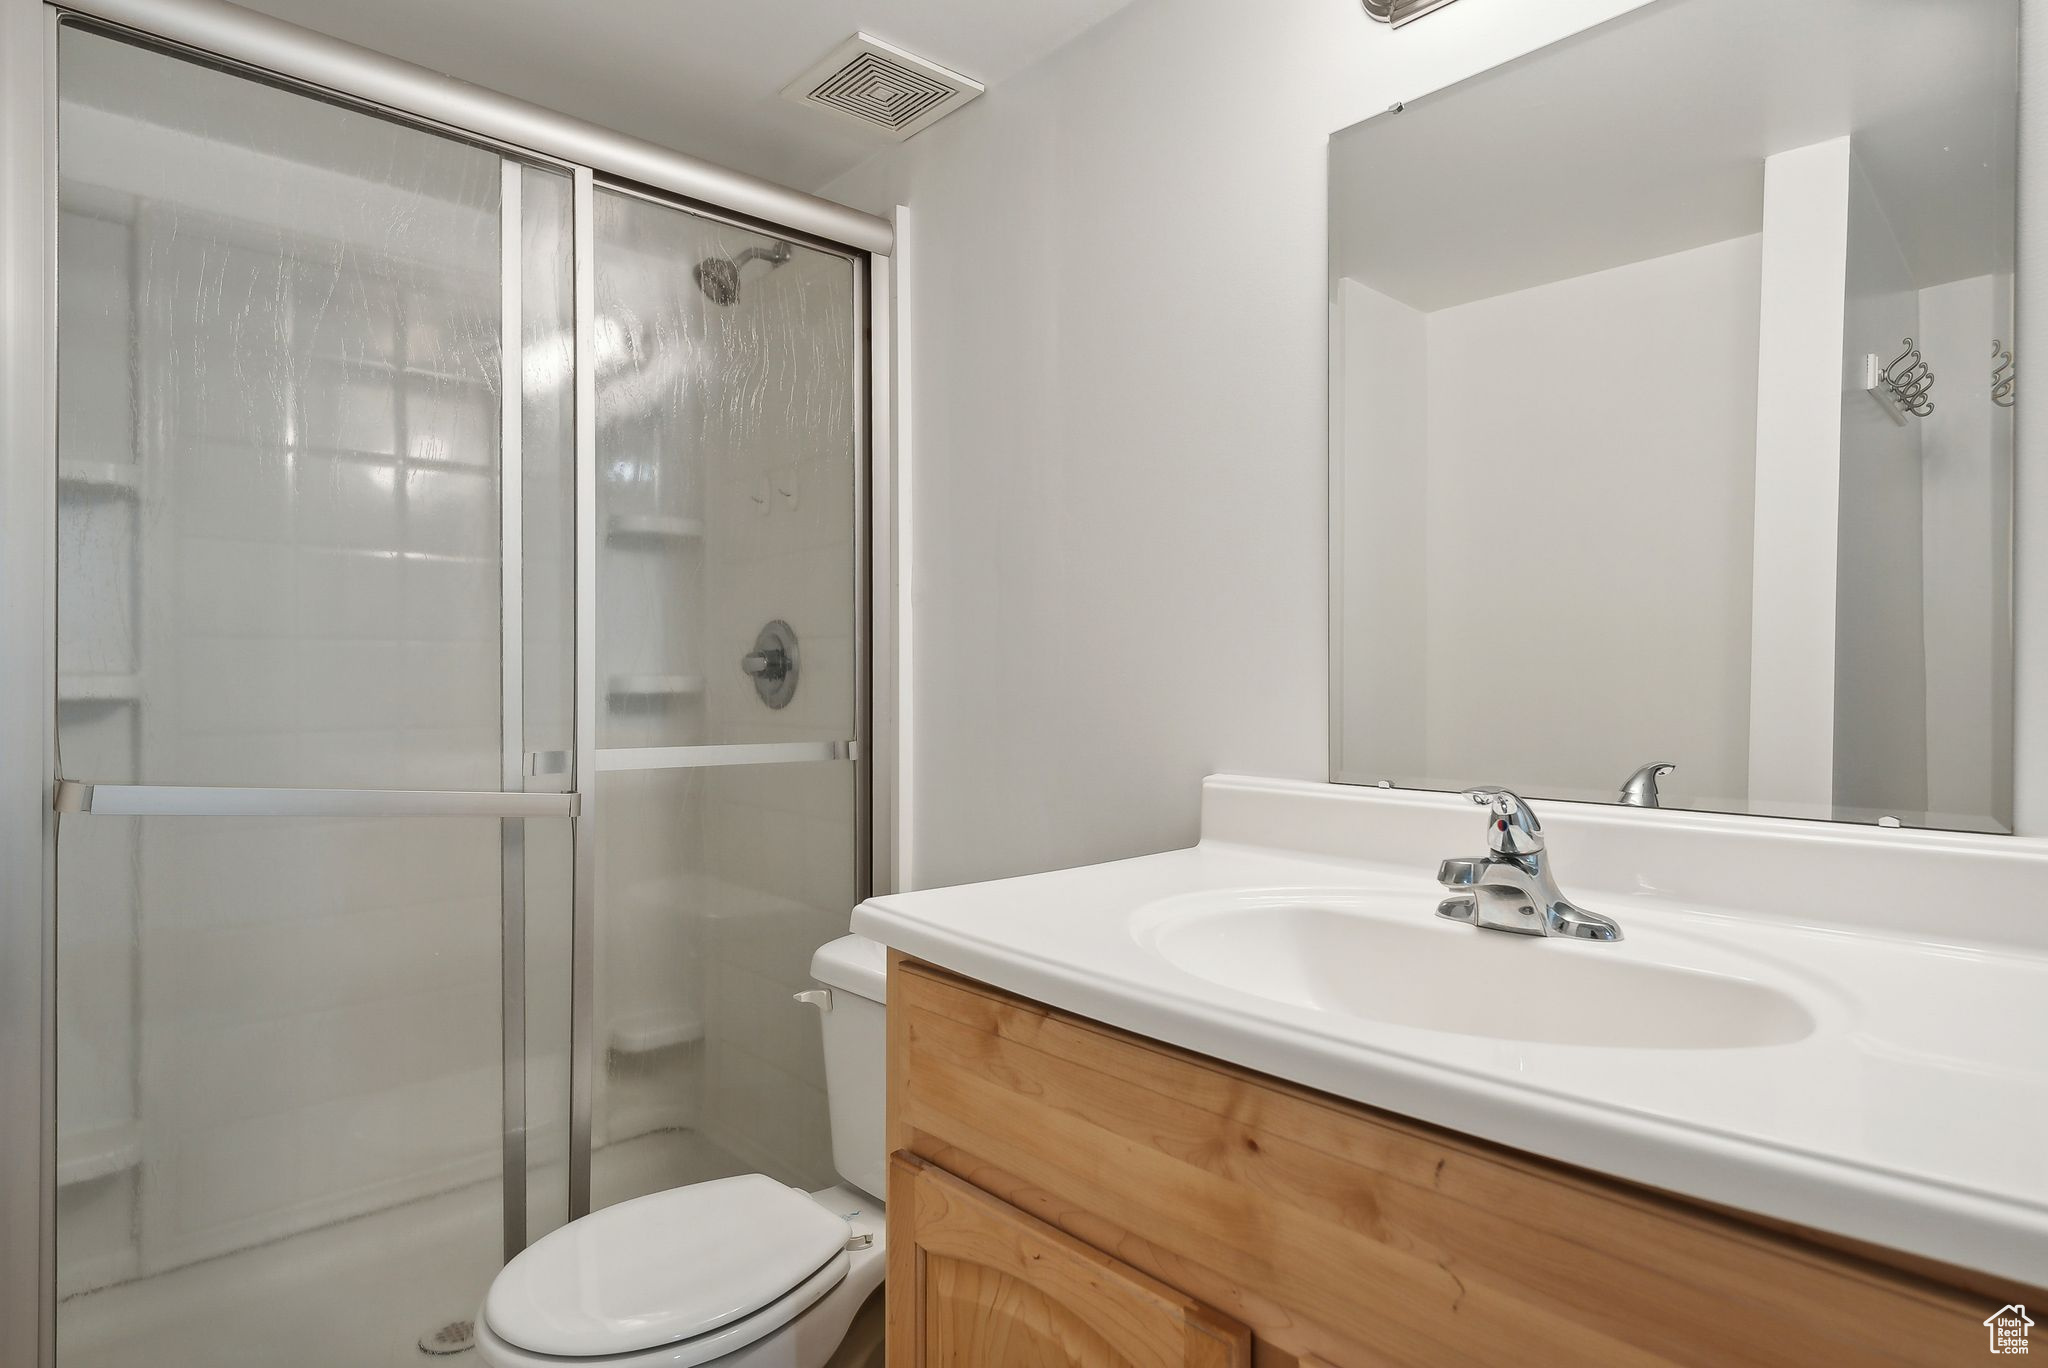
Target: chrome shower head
(719,277)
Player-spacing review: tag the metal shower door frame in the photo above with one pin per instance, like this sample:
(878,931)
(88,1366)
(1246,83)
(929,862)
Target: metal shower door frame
(524,135)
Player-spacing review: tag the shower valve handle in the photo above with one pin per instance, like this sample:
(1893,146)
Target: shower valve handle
(771,664)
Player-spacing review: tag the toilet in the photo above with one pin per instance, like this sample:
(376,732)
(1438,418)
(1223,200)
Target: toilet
(740,1272)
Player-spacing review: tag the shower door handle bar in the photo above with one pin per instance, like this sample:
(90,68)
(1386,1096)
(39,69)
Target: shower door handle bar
(163,800)
(708,757)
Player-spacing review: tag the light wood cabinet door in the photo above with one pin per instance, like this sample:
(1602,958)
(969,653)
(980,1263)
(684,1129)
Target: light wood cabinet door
(975,1283)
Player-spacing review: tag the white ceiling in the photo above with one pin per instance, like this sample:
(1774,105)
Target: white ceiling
(701,76)
(1648,135)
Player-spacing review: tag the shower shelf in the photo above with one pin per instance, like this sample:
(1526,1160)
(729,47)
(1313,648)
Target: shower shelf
(98,1153)
(654,685)
(655,1031)
(99,688)
(653,527)
(110,477)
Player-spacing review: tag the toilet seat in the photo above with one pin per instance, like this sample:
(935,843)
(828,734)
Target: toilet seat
(688,1353)
(675,1278)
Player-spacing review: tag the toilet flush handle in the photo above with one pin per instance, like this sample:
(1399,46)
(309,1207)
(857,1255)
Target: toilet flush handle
(820,998)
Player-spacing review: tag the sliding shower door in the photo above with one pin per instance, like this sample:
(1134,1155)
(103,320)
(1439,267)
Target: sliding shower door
(438,850)
(727,802)
(314,466)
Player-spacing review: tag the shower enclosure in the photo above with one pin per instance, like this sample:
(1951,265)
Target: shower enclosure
(456,693)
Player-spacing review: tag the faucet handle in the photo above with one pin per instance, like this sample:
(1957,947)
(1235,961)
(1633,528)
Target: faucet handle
(1460,873)
(1513,829)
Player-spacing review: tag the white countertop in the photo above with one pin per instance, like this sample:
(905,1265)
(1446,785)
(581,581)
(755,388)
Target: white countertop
(1914,1114)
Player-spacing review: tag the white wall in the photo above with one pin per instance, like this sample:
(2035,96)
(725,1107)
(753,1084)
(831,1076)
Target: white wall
(1121,303)
(1379,541)
(1880,648)
(1483,429)
(1798,477)
(1631,391)
(1966,483)
(2030,502)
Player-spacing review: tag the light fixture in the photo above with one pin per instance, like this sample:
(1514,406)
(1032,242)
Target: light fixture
(1399,12)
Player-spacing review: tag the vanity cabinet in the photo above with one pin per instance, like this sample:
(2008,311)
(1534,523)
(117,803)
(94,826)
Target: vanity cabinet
(985,1284)
(1064,1193)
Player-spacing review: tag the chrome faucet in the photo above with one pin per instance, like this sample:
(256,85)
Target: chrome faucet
(1512,888)
(1641,788)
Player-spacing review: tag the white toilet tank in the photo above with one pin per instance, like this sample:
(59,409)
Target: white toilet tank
(855,970)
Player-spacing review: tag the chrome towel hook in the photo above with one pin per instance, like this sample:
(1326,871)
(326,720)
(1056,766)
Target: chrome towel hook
(2003,376)
(1910,381)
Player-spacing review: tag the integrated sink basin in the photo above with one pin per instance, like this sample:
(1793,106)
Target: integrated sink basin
(1840,1033)
(1382,956)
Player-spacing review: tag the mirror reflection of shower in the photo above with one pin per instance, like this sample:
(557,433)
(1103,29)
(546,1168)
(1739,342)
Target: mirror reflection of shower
(719,277)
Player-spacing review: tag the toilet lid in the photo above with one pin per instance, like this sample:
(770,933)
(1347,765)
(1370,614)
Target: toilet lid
(662,1268)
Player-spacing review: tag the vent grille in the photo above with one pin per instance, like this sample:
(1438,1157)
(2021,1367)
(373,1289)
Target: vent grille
(882,87)
(881,91)
(1399,12)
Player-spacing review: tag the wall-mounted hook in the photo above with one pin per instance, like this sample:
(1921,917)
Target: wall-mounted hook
(1910,381)
(1904,387)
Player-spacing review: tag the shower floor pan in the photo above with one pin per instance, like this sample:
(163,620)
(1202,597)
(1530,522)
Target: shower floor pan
(358,1294)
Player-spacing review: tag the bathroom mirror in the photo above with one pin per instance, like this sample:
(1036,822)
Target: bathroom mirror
(1632,461)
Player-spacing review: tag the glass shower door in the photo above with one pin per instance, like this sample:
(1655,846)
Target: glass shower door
(314,624)
(729,460)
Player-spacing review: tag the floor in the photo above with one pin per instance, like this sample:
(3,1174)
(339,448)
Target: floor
(359,1294)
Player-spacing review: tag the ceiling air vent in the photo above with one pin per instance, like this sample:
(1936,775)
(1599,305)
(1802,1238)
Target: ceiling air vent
(882,88)
(1399,12)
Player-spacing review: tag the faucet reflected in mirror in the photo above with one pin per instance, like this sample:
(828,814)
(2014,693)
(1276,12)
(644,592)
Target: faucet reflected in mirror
(1641,788)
